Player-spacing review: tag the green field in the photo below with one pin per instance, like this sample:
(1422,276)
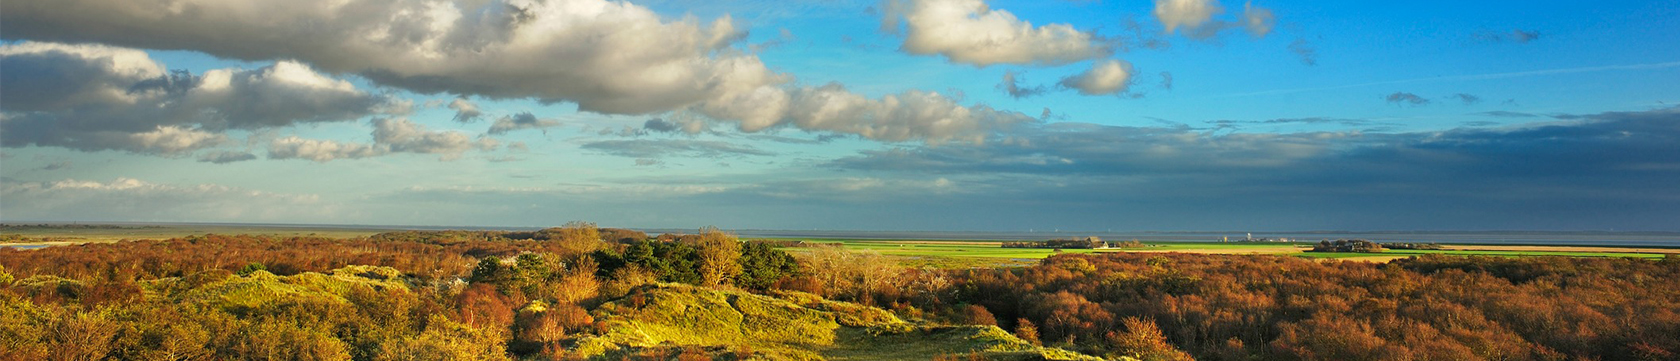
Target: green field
(979,253)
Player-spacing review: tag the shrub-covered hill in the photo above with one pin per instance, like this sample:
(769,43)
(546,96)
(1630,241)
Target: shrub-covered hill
(786,326)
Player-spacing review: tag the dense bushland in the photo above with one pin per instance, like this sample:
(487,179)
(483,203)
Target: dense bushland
(1219,307)
(456,295)
(451,295)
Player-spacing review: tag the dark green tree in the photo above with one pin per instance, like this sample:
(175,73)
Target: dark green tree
(762,265)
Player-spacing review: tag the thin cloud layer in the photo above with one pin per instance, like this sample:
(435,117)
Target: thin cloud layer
(94,97)
(970,32)
(1304,51)
(1609,158)
(1406,98)
(129,200)
(390,136)
(652,149)
(224,157)
(1011,85)
(907,116)
(1514,36)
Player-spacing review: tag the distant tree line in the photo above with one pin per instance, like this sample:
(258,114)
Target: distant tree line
(1347,245)
(1407,245)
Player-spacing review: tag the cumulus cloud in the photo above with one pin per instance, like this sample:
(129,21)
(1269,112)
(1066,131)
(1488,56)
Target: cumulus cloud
(659,148)
(606,56)
(970,32)
(94,97)
(524,120)
(1406,98)
(1189,14)
(1011,85)
(1106,77)
(399,135)
(390,135)
(1195,18)
(465,110)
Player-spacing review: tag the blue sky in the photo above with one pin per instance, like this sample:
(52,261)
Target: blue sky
(892,115)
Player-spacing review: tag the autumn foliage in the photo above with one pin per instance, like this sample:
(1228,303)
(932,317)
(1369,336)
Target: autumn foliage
(482,295)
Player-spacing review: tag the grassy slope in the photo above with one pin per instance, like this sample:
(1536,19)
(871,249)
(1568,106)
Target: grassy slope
(790,326)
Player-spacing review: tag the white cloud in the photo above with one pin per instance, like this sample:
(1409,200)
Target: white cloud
(911,115)
(1105,77)
(318,150)
(607,56)
(1189,14)
(970,32)
(172,139)
(399,135)
(1196,18)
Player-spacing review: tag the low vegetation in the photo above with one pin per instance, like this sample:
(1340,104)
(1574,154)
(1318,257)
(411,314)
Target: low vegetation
(580,292)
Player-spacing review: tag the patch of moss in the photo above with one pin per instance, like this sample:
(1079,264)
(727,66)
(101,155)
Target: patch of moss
(261,289)
(848,314)
(728,325)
